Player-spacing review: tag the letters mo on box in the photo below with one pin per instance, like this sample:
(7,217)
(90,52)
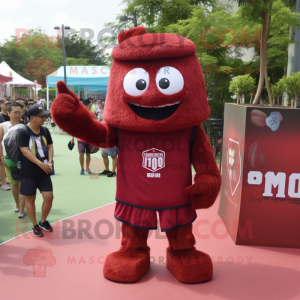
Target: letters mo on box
(278,180)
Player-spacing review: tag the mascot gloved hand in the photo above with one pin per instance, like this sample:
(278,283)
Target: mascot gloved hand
(155,104)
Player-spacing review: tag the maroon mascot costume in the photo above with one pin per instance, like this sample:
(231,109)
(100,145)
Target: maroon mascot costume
(156,101)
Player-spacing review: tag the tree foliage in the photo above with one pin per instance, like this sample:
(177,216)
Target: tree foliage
(242,85)
(292,87)
(43,93)
(83,50)
(36,55)
(274,20)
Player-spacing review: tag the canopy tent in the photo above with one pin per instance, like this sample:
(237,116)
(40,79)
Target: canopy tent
(17,80)
(4,79)
(89,78)
(81,78)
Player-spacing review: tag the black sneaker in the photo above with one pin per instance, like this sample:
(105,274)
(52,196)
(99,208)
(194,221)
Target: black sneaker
(105,172)
(112,174)
(36,231)
(46,226)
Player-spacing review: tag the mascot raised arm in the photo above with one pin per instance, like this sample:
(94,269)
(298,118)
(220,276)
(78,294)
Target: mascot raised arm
(155,104)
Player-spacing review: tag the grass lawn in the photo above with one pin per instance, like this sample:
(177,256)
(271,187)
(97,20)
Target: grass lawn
(73,194)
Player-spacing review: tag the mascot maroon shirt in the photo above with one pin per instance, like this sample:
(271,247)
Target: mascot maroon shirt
(153,170)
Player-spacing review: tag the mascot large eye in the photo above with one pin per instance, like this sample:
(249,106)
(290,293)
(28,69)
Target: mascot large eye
(136,82)
(169,80)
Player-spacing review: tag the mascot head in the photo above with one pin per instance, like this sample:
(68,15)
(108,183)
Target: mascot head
(156,83)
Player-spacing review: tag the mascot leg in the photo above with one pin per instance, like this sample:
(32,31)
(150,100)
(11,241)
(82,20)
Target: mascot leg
(132,261)
(186,263)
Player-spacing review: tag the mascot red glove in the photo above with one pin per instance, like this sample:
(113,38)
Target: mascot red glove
(156,101)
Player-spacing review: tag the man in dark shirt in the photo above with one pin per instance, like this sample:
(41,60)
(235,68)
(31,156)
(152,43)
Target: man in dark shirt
(4,104)
(36,145)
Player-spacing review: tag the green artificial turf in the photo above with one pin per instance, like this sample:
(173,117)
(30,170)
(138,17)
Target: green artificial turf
(73,194)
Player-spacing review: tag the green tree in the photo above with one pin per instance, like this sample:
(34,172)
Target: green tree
(292,87)
(242,85)
(43,93)
(86,51)
(33,56)
(70,61)
(273,17)
(154,15)
(36,55)
(278,89)
(204,23)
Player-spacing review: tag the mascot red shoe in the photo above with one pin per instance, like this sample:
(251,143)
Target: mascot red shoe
(156,101)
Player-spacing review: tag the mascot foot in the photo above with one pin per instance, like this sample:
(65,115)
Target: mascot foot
(132,261)
(127,265)
(186,263)
(190,266)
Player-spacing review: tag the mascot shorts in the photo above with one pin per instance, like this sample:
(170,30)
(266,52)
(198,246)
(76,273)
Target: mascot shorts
(147,218)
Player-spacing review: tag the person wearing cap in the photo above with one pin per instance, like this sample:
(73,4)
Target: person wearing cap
(28,104)
(15,113)
(36,166)
(4,104)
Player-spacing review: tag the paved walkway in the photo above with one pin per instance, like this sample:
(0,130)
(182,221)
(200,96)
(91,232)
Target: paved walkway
(67,264)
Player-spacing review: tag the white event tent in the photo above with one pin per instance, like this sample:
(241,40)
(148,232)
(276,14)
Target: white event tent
(18,80)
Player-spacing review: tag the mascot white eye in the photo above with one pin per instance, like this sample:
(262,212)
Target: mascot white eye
(136,82)
(169,80)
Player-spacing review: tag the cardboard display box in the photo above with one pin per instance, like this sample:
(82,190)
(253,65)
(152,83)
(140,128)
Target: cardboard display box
(260,193)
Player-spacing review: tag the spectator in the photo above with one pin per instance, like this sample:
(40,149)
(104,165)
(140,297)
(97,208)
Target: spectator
(99,110)
(15,113)
(4,104)
(42,101)
(93,108)
(22,102)
(105,152)
(37,148)
(83,147)
(25,118)
(4,117)
(50,102)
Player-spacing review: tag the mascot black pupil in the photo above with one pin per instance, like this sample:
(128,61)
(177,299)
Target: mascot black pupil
(141,84)
(164,83)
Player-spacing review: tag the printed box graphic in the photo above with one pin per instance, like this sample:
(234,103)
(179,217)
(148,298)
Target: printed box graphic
(260,193)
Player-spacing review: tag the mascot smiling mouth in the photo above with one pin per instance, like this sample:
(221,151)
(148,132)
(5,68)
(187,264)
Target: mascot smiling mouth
(157,113)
